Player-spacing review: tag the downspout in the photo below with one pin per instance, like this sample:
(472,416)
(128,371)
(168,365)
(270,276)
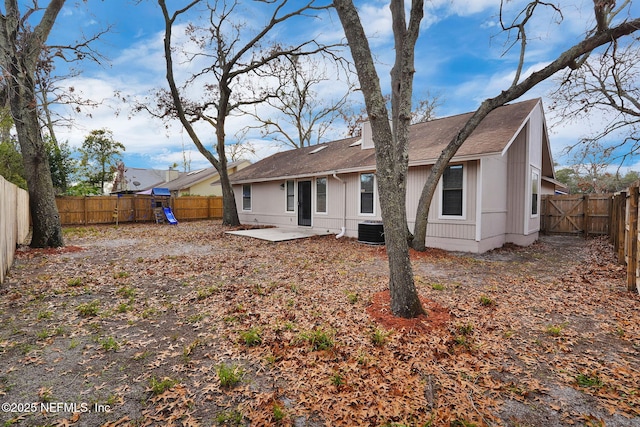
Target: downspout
(344,206)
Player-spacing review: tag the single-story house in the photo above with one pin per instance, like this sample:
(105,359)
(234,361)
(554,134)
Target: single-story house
(133,180)
(488,196)
(202,182)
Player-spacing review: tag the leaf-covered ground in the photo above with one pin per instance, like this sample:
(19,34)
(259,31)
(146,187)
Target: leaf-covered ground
(155,325)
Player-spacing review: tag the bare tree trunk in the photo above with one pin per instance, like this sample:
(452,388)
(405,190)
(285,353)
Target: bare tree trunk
(19,52)
(390,145)
(230,211)
(229,207)
(47,231)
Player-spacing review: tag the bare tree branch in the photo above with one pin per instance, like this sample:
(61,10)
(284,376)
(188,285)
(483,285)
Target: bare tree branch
(605,86)
(565,60)
(232,60)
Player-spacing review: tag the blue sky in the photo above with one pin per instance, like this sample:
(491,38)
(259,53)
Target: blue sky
(460,55)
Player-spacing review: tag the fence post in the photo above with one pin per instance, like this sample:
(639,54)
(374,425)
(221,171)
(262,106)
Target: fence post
(632,243)
(587,218)
(622,226)
(612,220)
(636,243)
(545,214)
(85,211)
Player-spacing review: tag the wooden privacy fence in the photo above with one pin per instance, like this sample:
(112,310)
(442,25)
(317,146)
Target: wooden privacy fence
(134,208)
(587,214)
(625,236)
(14,222)
(615,215)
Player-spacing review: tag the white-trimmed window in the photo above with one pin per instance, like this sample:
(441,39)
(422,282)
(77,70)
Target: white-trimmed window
(535,188)
(452,195)
(321,195)
(290,188)
(246,197)
(367,186)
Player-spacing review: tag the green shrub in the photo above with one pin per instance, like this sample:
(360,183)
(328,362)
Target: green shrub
(109,344)
(75,281)
(278,412)
(589,380)
(89,309)
(486,301)
(353,297)
(229,375)
(160,386)
(229,418)
(337,379)
(379,337)
(554,330)
(318,338)
(252,337)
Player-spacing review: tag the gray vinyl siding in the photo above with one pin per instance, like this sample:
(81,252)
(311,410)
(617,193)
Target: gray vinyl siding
(517,173)
(494,190)
(535,129)
(446,228)
(269,205)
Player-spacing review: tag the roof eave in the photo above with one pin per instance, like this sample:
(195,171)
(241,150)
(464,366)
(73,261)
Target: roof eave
(368,168)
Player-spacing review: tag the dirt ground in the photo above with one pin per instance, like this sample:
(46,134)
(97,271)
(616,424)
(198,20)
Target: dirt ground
(157,325)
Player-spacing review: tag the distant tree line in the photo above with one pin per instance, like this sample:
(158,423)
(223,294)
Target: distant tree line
(74,173)
(578,180)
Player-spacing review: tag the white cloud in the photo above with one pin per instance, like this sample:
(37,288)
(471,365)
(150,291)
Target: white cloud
(464,48)
(463,7)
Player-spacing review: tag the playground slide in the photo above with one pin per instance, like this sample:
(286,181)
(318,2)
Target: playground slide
(169,214)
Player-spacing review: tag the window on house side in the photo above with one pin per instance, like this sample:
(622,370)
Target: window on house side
(534,192)
(321,195)
(291,196)
(366,193)
(452,190)
(246,197)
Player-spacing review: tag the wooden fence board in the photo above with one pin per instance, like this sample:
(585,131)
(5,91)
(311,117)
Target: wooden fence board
(14,222)
(576,214)
(632,239)
(133,208)
(190,208)
(625,234)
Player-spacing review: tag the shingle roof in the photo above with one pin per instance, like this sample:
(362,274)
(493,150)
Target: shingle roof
(139,179)
(188,179)
(426,141)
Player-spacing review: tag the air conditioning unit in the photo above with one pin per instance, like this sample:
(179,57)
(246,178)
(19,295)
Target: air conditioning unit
(371,232)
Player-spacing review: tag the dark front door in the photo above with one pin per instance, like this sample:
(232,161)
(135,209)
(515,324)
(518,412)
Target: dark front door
(304,203)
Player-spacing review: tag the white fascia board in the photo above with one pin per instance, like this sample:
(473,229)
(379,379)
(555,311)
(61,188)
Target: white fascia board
(522,125)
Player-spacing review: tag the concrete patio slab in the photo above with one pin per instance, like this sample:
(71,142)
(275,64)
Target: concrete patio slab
(279,234)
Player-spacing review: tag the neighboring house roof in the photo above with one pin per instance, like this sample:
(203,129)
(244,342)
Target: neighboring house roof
(138,179)
(188,179)
(426,142)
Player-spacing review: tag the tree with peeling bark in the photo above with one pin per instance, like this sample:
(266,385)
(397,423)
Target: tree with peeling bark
(20,49)
(390,140)
(232,56)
